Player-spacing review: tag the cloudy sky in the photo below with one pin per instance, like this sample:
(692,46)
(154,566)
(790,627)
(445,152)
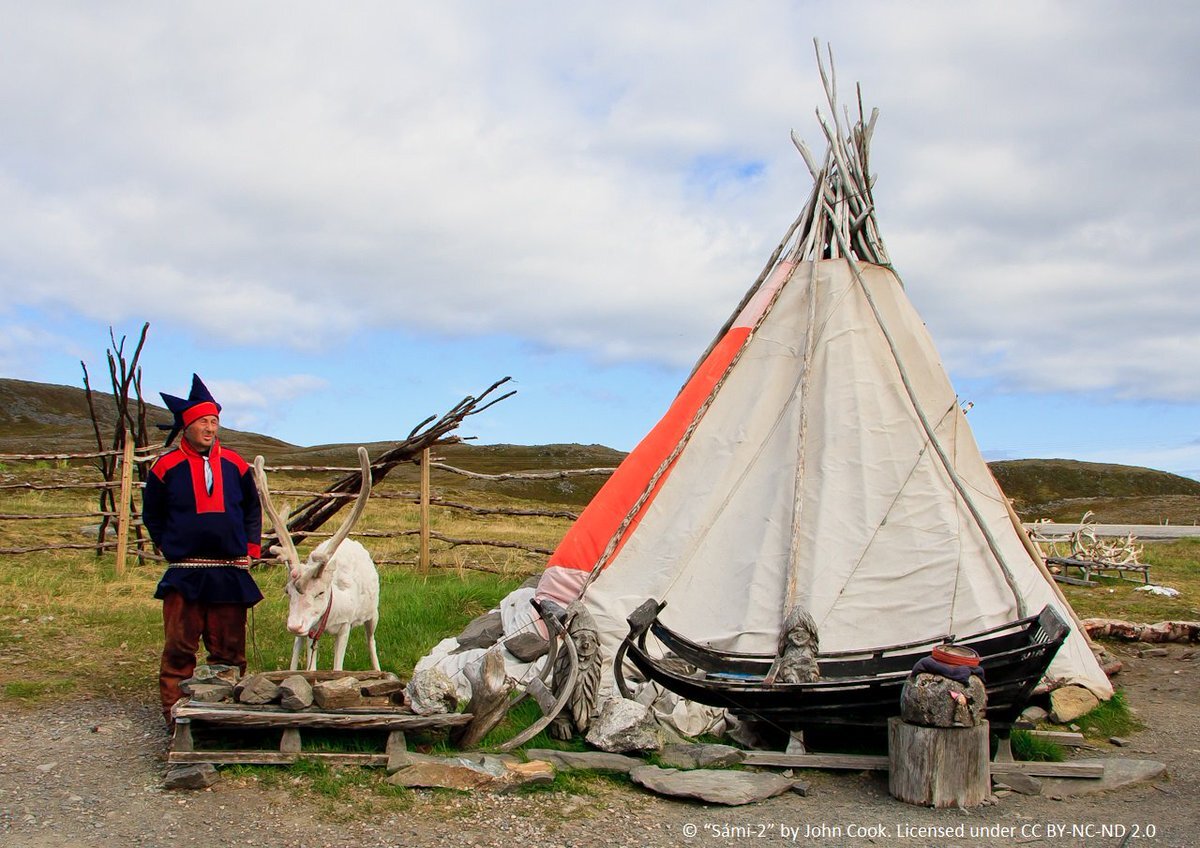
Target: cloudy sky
(346,217)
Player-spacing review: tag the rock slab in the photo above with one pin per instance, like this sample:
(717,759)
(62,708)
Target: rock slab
(592,760)
(1118,773)
(731,788)
(198,776)
(694,756)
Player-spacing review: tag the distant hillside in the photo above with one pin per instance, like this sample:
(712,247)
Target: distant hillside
(44,418)
(1063,489)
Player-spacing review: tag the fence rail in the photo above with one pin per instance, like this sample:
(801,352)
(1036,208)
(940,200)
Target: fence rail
(127,520)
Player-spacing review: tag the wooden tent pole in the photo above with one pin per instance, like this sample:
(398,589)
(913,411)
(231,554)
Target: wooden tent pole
(424,554)
(123,507)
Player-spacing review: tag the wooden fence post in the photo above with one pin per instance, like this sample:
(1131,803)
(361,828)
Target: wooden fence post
(123,503)
(424,555)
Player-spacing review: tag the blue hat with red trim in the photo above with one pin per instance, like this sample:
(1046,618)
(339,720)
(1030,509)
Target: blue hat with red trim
(198,403)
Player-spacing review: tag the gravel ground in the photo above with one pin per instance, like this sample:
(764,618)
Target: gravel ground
(87,774)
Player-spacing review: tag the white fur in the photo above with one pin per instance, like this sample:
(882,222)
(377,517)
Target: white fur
(354,580)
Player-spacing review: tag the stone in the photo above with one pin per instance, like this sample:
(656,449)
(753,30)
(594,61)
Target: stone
(731,788)
(214,672)
(431,692)
(527,646)
(295,693)
(623,726)
(385,686)
(1118,773)
(481,632)
(801,788)
(210,693)
(1031,717)
(1154,652)
(1119,741)
(256,690)
(534,771)
(1068,703)
(460,775)
(930,700)
(694,756)
(197,776)
(470,773)
(337,694)
(1023,783)
(592,760)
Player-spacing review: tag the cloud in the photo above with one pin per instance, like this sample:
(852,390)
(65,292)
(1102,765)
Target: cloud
(610,180)
(260,404)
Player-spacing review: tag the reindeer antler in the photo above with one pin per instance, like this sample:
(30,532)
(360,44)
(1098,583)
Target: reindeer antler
(278,521)
(364,492)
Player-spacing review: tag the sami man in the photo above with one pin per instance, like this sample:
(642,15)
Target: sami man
(202,510)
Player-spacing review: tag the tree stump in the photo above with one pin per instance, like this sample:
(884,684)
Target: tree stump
(938,766)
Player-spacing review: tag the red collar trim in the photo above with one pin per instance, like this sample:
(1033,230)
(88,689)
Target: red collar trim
(319,630)
(204,501)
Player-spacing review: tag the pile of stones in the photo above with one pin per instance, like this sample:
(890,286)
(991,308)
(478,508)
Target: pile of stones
(213,684)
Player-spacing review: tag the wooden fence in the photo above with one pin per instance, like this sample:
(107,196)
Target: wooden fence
(128,538)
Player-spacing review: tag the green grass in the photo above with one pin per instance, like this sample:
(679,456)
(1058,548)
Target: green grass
(1026,746)
(69,625)
(1175,564)
(1112,718)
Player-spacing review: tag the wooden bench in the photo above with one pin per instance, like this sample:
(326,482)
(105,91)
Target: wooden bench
(1088,567)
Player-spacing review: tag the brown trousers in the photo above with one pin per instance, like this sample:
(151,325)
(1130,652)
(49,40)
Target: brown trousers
(223,628)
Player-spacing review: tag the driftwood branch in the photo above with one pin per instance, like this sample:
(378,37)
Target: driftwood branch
(311,515)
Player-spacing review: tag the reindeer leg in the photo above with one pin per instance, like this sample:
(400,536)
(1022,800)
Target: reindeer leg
(296,654)
(369,630)
(310,654)
(339,647)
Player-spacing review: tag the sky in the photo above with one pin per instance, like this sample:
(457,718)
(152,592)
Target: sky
(347,217)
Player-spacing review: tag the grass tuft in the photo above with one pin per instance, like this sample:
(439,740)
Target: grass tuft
(1112,718)
(1027,747)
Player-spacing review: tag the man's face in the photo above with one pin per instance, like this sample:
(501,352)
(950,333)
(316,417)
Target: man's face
(202,432)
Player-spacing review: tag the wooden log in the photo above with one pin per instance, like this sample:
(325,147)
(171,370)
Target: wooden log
(490,688)
(1038,769)
(424,511)
(243,717)
(123,508)
(851,762)
(273,758)
(938,766)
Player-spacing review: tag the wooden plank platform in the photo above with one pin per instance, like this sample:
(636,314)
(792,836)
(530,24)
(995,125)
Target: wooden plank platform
(231,717)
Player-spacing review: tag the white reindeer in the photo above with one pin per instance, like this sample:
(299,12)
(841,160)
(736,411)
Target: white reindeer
(336,589)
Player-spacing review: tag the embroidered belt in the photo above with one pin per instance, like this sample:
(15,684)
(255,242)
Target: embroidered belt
(242,563)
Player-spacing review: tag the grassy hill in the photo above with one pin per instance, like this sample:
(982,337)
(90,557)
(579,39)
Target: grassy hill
(1063,490)
(44,418)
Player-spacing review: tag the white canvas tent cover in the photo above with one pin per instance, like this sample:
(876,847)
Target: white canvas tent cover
(817,456)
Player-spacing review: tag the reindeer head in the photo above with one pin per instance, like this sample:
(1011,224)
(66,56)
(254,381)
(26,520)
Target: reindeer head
(310,583)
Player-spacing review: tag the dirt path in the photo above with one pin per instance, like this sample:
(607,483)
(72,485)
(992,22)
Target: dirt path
(87,775)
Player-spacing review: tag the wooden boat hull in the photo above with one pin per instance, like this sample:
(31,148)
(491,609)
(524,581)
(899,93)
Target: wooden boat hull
(857,688)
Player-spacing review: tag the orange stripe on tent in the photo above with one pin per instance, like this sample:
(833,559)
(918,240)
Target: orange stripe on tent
(584,543)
